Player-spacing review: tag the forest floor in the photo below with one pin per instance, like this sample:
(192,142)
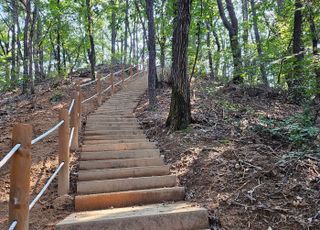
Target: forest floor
(41,111)
(242,158)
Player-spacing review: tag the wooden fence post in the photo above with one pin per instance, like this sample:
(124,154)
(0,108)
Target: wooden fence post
(98,88)
(122,76)
(131,72)
(112,83)
(74,120)
(79,107)
(20,177)
(64,135)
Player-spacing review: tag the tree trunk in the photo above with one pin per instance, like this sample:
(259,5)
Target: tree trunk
(113,32)
(92,52)
(259,46)
(26,76)
(315,52)
(58,52)
(295,82)
(232,28)
(14,72)
(180,107)
(126,20)
(152,74)
(212,74)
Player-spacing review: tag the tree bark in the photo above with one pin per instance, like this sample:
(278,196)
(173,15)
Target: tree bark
(113,32)
(58,45)
(92,52)
(26,76)
(259,45)
(232,28)
(126,28)
(180,107)
(212,74)
(14,70)
(152,74)
(295,82)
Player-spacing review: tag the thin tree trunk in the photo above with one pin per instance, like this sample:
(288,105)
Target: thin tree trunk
(232,28)
(180,107)
(152,74)
(58,52)
(295,82)
(212,74)
(126,20)
(14,72)
(113,32)
(92,52)
(26,76)
(198,44)
(264,76)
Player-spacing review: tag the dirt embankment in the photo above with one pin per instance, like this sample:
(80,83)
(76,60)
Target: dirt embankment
(231,163)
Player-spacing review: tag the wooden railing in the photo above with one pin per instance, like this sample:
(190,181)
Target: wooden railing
(68,126)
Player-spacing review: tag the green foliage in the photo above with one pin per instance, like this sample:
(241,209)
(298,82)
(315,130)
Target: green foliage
(297,129)
(56,97)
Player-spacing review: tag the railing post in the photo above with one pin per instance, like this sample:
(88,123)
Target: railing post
(20,177)
(122,76)
(74,120)
(98,88)
(131,72)
(79,107)
(63,135)
(112,83)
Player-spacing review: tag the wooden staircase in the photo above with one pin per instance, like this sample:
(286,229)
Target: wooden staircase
(122,181)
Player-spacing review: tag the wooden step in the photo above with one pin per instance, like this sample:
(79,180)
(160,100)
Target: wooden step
(111,124)
(118,146)
(113,132)
(120,163)
(90,142)
(106,128)
(122,154)
(128,198)
(117,173)
(117,185)
(113,137)
(177,216)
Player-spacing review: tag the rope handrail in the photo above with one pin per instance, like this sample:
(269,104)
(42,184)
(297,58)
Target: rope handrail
(9,155)
(103,91)
(105,77)
(46,186)
(71,107)
(88,99)
(47,133)
(71,136)
(13,225)
(88,83)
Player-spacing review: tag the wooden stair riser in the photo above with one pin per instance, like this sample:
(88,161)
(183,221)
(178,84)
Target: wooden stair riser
(127,198)
(107,174)
(118,146)
(120,163)
(123,154)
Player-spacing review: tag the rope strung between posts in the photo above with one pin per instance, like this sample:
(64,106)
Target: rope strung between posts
(88,99)
(46,186)
(88,83)
(46,133)
(71,136)
(71,107)
(9,155)
(13,225)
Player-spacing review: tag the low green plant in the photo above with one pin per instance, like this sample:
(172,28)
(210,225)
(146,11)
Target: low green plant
(297,129)
(57,96)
